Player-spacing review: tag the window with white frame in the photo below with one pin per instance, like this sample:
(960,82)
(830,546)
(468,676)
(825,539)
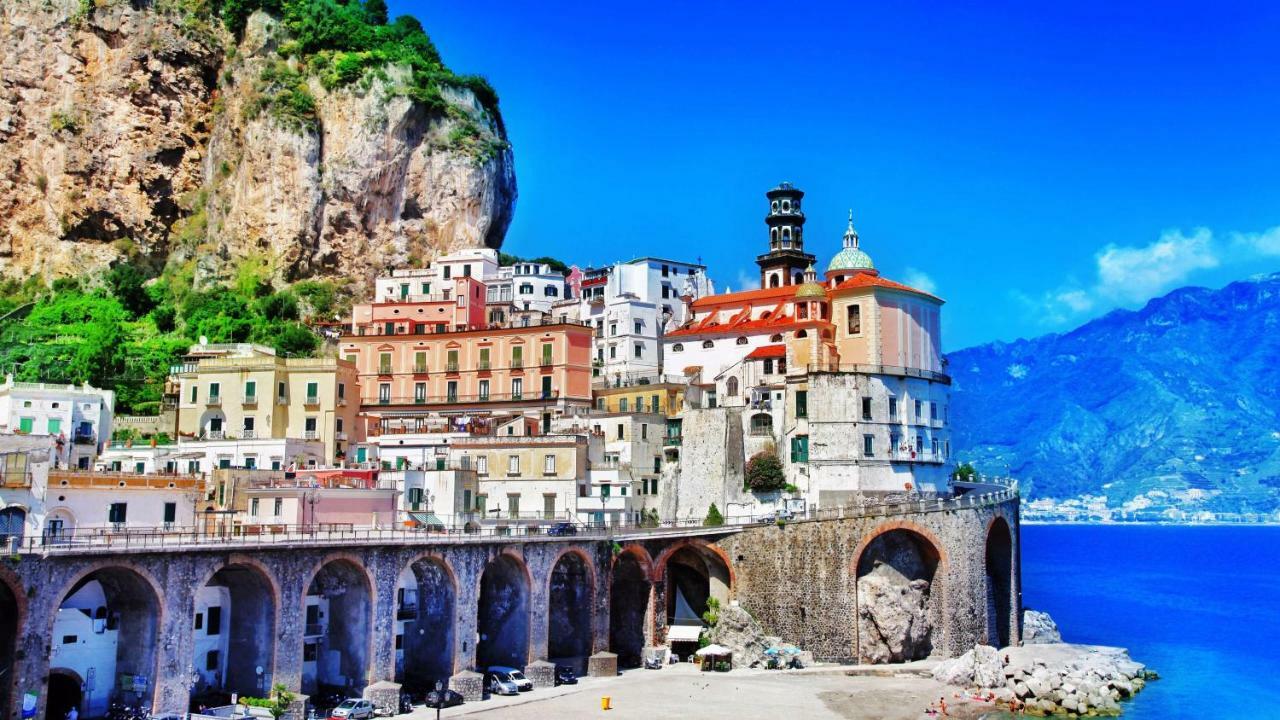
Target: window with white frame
(549,465)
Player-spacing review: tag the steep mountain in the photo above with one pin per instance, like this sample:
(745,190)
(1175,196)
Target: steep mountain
(305,137)
(1176,404)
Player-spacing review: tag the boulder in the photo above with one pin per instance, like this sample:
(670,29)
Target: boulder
(981,667)
(1039,629)
(893,617)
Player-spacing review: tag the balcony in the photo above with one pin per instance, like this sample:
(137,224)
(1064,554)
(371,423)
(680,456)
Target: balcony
(517,363)
(216,435)
(250,400)
(213,400)
(451,367)
(248,434)
(340,435)
(15,480)
(342,401)
(384,369)
(85,439)
(312,400)
(314,630)
(880,370)
(420,369)
(453,398)
(545,362)
(310,435)
(408,611)
(282,399)
(484,365)
(672,440)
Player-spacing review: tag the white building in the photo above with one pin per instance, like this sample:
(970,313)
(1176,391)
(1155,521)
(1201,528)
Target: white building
(78,417)
(631,305)
(24,475)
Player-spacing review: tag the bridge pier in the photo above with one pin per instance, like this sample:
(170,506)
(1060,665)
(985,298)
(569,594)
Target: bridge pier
(291,625)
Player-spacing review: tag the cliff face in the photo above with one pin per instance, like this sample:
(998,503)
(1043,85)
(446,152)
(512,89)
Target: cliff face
(133,128)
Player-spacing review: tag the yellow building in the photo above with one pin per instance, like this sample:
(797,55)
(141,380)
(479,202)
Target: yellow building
(662,394)
(524,477)
(246,392)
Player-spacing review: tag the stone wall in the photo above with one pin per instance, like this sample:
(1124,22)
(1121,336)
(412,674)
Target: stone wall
(800,580)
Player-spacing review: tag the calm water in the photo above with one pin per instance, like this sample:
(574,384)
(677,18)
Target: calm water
(1200,605)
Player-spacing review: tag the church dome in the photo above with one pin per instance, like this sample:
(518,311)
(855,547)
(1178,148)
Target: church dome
(811,288)
(851,257)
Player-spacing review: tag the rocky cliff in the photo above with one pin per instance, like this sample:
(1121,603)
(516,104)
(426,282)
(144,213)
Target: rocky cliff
(147,129)
(1173,407)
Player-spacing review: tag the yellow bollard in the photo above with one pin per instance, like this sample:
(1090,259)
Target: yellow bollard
(605,703)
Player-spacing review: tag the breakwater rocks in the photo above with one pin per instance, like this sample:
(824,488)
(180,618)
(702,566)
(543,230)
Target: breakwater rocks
(1038,628)
(1049,679)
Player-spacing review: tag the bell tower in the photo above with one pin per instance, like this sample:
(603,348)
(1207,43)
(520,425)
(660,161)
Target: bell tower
(786,260)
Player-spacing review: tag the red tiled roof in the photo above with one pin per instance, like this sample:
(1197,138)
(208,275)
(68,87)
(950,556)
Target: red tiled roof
(746,296)
(768,351)
(864,280)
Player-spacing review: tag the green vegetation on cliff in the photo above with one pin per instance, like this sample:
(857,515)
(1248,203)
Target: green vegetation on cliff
(125,331)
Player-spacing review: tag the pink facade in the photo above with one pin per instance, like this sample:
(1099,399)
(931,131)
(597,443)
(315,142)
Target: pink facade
(460,307)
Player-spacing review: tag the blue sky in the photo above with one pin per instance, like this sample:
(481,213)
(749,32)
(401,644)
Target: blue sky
(1035,164)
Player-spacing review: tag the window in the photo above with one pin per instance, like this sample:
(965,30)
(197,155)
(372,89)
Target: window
(802,311)
(309,425)
(893,408)
(451,361)
(384,393)
(384,363)
(517,388)
(776,338)
(484,358)
(546,354)
(613,351)
(404,290)
(602,404)
(919,413)
(866,408)
(513,506)
(451,391)
(199,621)
(895,441)
(933,410)
(762,424)
(678,347)
(622,404)
(466,271)
(546,387)
(420,392)
(613,329)
(309,652)
(484,389)
(26,424)
(644,431)
(868,445)
(731,387)
(526,288)
(855,319)
(313,393)
(117,512)
(482,464)
(55,426)
(447,271)
(419,328)
(388,328)
(654,406)
(768,366)
(549,465)
(800,448)
(211,660)
(195,391)
(517,356)
(513,464)
(277,507)
(215,391)
(551,291)
(935,447)
(282,390)
(170,512)
(707,344)
(621,431)
(250,390)
(919,444)
(213,621)
(253,507)
(639,350)
(420,362)
(741,341)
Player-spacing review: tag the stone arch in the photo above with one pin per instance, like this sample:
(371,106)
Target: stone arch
(338,611)
(900,593)
(502,614)
(430,622)
(630,590)
(13,612)
(120,606)
(59,524)
(693,573)
(240,631)
(571,589)
(66,691)
(1001,612)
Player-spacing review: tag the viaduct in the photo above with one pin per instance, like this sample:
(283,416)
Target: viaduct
(516,601)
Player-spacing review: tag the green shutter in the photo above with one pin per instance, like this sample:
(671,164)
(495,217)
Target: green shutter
(55,426)
(26,424)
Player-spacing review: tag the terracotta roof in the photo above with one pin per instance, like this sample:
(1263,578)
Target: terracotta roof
(768,351)
(864,280)
(745,296)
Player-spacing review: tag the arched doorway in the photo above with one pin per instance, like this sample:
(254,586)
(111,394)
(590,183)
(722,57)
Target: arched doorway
(335,651)
(1000,610)
(898,598)
(503,616)
(106,629)
(66,691)
(13,522)
(629,590)
(426,604)
(569,637)
(8,640)
(235,621)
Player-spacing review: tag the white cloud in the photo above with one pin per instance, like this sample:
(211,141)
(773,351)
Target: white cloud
(1136,273)
(919,280)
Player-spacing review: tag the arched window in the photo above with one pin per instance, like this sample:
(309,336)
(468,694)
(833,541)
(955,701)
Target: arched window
(786,206)
(761,424)
(802,334)
(773,280)
(731,387)
(742,341)
(678,347)
(802,311)
(776,338)
(707,344)
(774,206)
(786,233)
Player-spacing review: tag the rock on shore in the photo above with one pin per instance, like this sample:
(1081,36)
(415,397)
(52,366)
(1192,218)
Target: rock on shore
(1038,628)
(1056,678)
(737,630)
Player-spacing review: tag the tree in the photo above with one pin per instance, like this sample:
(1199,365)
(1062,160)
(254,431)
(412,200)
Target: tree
(125,281)
(764,472)
(964,472)
(376,11)
(714,518)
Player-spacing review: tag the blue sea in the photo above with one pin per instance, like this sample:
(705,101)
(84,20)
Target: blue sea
(1200,605)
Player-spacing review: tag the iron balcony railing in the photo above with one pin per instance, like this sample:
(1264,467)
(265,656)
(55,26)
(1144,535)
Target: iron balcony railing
(453,398)
(879,370)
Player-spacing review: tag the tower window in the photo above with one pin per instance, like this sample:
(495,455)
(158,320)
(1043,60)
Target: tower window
(786,206)
(774,206)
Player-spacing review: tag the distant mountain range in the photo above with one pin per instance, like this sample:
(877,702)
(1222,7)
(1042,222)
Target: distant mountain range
(1172,408)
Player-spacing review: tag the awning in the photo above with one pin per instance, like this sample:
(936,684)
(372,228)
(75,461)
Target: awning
(768,351)
(426,518)
(683,633)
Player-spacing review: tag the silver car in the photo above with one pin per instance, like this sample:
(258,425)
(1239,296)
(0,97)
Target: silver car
(353,709)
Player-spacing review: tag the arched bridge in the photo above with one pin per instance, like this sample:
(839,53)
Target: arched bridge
(322,613)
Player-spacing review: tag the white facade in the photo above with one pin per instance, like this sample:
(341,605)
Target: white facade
(203,456)
(24,476)
(530,286)
(77,417)
(83,644)
(211,633)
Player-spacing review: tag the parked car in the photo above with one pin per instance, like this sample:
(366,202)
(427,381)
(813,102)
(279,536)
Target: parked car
(562,529)
(508,680)
(775,516)
(565,675)
(444,698)
(352,709)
